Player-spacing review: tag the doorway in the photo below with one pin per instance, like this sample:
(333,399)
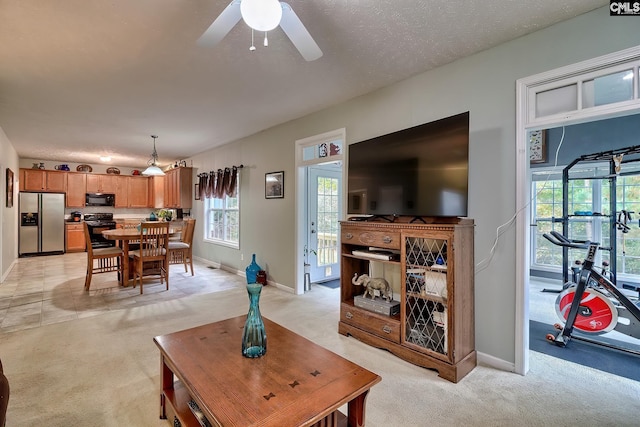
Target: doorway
(320,190)
(578,93)
(324,210)
(585,204)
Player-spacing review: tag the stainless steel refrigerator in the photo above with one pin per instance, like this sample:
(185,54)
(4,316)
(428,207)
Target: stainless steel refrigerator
(41,224)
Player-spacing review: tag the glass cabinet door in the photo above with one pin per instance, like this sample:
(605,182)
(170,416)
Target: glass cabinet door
(425,299)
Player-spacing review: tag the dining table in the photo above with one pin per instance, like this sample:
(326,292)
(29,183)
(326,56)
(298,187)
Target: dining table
(124,236)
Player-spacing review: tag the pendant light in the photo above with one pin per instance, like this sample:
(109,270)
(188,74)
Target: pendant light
(153,169)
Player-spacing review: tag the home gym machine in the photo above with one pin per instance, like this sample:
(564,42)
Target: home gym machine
(593,305)
(591,301)
(616,159)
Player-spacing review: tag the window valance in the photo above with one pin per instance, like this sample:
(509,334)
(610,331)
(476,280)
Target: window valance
(219,183)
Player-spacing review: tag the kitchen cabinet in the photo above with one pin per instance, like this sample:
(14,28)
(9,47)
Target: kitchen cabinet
(138,192)
(42,180)
(156,192)
(122,191)
(177,188)
(75,238)
(76,189)
(101,184)
(434,327)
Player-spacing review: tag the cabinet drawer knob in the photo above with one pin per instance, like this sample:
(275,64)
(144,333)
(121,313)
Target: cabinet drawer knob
(386,329)
(348,236)
(387,239)
(348,315)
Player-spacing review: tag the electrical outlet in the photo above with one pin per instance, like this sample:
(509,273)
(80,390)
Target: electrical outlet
(241,257)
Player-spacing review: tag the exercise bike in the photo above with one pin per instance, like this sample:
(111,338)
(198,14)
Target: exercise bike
(593,305)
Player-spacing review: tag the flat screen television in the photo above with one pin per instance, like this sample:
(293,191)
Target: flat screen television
(420,171)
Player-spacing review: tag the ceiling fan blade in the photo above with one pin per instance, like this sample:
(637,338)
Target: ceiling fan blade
(298,34)
(222,25)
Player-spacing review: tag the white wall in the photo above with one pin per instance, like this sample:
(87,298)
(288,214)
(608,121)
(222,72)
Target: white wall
(483,84)
(8,216)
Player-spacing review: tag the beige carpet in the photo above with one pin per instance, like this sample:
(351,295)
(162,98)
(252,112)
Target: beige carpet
(104,371)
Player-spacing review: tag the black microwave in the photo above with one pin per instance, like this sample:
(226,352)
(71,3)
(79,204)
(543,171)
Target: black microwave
(100,199)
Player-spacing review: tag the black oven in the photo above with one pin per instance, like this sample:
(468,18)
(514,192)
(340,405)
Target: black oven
(97,223)
(100,199)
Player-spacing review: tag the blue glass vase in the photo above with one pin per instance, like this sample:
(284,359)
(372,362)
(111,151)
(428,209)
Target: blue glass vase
(252,270)
(254,336)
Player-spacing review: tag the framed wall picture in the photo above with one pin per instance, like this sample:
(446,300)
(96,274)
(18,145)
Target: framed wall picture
(9,203)
(196,190)
(537,147)
(274,185)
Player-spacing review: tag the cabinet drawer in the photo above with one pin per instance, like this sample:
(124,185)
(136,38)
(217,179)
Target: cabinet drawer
(379,239)
(385,327)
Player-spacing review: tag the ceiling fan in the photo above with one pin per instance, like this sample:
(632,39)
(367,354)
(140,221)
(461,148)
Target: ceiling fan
(262,15)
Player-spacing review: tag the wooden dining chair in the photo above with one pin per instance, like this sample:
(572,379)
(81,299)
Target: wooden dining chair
(102,260)
(154,237)
(180,251)
(133,244)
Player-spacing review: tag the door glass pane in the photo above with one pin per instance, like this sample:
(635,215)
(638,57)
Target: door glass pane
(328,198)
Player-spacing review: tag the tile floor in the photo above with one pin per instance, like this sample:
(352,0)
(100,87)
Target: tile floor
(50,289)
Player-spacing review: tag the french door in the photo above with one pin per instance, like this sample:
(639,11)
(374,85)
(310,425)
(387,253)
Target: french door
(324,185)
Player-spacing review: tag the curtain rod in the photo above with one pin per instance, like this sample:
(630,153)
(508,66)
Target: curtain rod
(207,173)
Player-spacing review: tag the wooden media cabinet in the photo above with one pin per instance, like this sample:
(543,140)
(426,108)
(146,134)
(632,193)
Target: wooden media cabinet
(431,268)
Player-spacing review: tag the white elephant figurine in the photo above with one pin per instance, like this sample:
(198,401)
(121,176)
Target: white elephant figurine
(373,284)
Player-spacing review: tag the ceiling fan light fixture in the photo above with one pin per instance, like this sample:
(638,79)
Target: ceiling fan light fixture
(261,15)
(153,169)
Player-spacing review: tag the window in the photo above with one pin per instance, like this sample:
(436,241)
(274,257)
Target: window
(222,224)
(628,198)
(583,95)
(585,194)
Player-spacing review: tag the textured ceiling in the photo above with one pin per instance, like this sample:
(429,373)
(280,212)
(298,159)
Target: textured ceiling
(83,78)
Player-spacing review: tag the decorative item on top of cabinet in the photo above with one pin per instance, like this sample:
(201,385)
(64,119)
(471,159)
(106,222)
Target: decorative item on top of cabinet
(435,326)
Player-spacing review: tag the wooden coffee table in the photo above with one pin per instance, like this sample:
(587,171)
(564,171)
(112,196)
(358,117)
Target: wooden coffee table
(297,383)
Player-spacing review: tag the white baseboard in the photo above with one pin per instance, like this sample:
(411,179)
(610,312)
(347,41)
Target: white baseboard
(243,274)
(495,362)
(6,274)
